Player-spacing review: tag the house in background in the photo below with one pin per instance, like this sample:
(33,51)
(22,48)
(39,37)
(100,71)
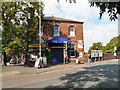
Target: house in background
(72,30)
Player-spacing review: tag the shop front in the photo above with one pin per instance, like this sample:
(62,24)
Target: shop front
(34,49)
(58,47)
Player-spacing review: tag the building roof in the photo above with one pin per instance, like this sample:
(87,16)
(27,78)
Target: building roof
(53,18)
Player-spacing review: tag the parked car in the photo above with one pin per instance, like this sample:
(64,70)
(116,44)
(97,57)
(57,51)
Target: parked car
(13,61)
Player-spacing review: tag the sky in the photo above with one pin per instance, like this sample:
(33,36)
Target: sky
(94,29)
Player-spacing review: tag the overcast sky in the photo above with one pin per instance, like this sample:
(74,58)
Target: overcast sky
(95,29)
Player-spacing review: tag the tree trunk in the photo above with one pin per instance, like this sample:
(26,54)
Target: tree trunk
(4,59)
(26,56)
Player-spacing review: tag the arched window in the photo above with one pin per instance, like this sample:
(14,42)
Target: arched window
(56,30)
(72,30)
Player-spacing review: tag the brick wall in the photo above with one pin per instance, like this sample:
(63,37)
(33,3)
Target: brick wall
(109,56)
(118,56)
(106,56)
(64,31)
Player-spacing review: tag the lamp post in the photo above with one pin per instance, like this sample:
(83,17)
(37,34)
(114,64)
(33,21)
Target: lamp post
(39,28)
(38,61)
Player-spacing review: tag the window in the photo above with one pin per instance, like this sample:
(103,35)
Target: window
(72,51)
(72,31)
(56,30)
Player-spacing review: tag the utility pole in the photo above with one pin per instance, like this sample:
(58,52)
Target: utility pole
(40,28)
(38,61)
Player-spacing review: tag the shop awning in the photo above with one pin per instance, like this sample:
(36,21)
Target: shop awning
(59,39)
(36,43)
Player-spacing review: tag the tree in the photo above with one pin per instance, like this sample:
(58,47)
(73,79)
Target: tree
(112,8)
(97,46)
(109,47)
(20,23)
(114,42)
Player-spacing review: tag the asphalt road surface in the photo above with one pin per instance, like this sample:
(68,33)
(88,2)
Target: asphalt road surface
(101,74)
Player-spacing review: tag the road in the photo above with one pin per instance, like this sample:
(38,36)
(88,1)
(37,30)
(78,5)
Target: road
(101,74)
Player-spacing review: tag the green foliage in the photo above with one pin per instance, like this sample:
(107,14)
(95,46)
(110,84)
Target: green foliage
(114,42)
(96,46)
(109,48)
(20,23)
(112,8)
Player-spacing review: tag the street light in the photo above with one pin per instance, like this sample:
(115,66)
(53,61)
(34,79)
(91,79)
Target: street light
(38,61)
(40,28)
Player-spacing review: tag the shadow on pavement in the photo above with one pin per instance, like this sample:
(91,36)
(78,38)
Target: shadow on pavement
(31,65)
(101,76)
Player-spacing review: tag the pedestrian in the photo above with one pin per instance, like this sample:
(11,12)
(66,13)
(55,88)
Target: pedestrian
(89,59)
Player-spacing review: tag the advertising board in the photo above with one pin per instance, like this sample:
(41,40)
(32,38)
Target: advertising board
(96,53)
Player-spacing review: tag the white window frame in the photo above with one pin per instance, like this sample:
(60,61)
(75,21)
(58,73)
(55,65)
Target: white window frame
(72,31)
(54,32)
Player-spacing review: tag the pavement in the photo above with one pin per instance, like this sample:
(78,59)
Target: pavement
(21,69)
(89,75)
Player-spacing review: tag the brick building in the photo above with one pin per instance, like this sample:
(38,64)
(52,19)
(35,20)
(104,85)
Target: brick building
(70,29)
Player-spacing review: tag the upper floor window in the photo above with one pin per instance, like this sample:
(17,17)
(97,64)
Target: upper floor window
(72,31)
(56,30)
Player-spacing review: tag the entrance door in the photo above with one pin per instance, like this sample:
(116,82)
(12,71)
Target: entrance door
(57,55)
